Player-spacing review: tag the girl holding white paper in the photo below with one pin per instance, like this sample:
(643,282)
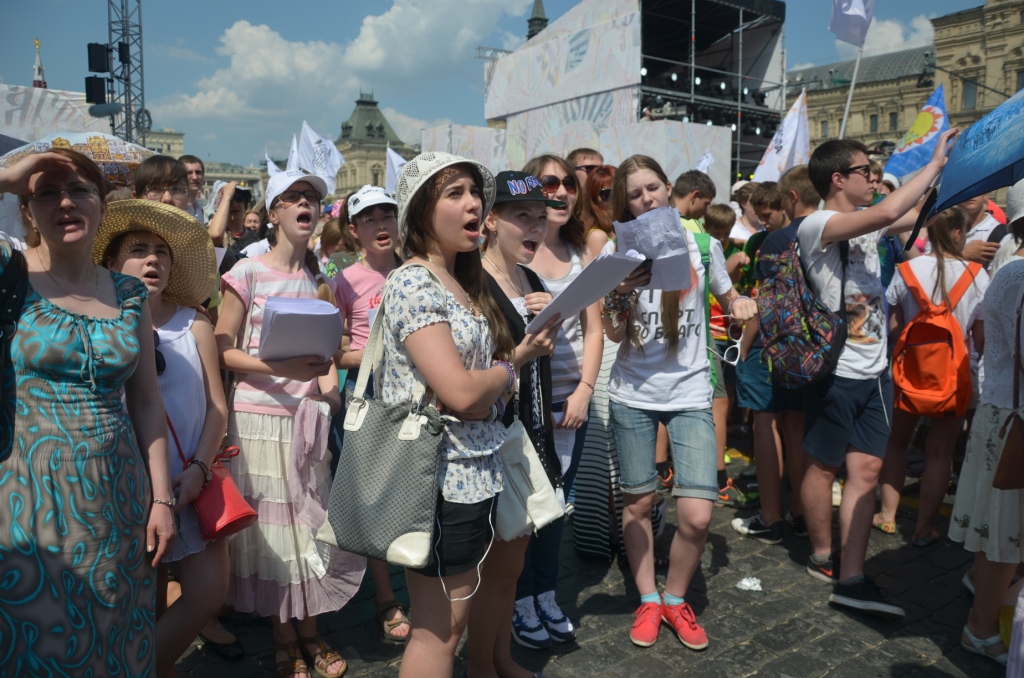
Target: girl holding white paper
(663,375)
(275,569)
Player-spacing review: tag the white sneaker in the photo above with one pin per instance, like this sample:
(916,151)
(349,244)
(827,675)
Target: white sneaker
(527,628)
(559,627)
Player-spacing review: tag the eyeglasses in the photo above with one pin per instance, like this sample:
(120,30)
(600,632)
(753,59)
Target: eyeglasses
(372,222)
(53,194)
(292,197)
(605,194)
(863,170)
(157,192)
(550,184)
(161,363)
(587,168)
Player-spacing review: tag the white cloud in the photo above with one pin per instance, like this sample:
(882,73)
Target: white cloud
(408,128)
(512,41)
(179,51)
(891,35)
(797,67)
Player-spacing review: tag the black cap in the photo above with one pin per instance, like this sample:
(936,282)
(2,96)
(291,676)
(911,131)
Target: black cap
(521,187)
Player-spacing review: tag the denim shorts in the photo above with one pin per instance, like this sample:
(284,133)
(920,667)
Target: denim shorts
(757,390)
(728,369)
(842,412)
(692,434)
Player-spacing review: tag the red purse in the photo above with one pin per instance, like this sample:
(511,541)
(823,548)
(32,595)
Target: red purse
(220,507)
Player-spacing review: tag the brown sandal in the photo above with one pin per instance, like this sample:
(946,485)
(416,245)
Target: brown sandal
(389,626)
(325,656)
(293,665)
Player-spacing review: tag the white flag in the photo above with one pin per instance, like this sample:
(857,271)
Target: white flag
(394,166)
(791,145)
(272,167)
(706,161)
(318,155)
(851,19)
(293,155)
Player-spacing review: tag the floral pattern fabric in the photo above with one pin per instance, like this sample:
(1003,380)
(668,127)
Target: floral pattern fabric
(471,470)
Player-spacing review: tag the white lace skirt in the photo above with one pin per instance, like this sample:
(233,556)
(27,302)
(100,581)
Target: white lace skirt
(986,519)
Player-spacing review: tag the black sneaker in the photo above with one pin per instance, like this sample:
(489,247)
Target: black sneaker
(865,596)
(755,528)
(827,571)
(798,524)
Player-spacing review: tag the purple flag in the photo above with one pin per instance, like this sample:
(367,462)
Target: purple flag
(850,20)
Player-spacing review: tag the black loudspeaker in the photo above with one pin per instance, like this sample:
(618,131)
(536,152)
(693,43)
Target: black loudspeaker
(99,58)
(123,55)
(95,90)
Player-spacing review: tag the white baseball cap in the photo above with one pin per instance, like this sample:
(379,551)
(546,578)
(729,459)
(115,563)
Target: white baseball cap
(282,181)
(1015,202)
(368,196)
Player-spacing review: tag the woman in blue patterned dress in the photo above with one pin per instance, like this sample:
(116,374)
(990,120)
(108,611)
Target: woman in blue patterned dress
(85,486)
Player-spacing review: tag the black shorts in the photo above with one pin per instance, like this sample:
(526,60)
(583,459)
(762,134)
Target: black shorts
(462,535)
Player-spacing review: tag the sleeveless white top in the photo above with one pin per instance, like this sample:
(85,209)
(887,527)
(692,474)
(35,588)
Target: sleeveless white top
(567,361)
(181,386)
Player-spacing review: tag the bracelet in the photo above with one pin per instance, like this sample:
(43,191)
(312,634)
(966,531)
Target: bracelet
(493,415)
(586,384)
(500,406)
(618,302)
(511,375)
(735,299)
(207,476)
(166,502)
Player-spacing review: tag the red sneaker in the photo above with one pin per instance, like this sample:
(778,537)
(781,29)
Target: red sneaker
(646,622)
(684,623)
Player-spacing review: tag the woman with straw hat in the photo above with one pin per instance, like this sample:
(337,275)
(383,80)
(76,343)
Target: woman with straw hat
(172,254)
(83,473)
(442,326)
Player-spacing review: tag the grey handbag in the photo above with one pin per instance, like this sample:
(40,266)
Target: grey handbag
(384,498)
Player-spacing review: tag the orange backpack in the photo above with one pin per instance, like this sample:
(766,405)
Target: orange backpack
(931,368)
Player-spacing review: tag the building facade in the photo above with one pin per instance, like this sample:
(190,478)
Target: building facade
(166,142)
(977,55)
(365,138)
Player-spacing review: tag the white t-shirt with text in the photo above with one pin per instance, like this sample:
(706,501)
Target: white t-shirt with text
(864,355)
(649,379)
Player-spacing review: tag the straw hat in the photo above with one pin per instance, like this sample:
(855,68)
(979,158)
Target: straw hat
(193,274)
(418,171)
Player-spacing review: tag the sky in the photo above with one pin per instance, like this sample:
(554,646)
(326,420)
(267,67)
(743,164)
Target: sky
(240,78)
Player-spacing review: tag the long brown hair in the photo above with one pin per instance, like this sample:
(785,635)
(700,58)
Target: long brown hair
(593,210)
(572,232)
(469,271)
(940,235)
(310,260)
(669,298)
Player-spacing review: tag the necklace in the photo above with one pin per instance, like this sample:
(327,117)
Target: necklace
(507,279)
(472,307)
(95,291)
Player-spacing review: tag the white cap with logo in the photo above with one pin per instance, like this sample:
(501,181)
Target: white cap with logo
(282,181)
(368,196)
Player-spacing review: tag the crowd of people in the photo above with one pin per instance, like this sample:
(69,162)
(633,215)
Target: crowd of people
(135,365)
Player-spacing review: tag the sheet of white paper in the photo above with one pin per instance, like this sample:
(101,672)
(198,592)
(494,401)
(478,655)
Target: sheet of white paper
(596,280)
(658,235)
(299,327)
(219,253)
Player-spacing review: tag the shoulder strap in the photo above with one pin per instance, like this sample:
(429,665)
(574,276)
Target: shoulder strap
(963,283)
(704,246)
(174,434)
(914,286)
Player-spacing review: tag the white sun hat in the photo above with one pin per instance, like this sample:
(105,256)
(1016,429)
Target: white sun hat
(418,171)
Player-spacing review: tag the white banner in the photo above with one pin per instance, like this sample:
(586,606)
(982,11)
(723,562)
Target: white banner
(30,113)
(293,155)
(318,155)
(791,145)
(394,166)
(272,167)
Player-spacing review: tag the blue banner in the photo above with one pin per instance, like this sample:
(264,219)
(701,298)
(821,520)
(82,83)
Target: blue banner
(917,145)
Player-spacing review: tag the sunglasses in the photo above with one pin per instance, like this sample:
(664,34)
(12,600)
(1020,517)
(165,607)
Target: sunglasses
(292,197)
(731,354)
(863,170)
(550,184)
(587,168)
(161,363)
(605,194)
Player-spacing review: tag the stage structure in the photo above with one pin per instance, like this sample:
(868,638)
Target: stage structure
(679,79)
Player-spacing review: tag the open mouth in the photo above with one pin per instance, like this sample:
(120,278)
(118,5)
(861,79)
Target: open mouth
(530,246)
(304,219)
(473,227)
(383,239)
(69,222)
(151,277)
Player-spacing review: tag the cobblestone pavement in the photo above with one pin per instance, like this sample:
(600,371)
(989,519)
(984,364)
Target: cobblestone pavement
(788,629)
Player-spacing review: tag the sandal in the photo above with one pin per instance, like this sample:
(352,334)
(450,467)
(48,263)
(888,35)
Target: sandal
(293,665)
(389,626)
(982,646)
(926,539)
(886,526)
(325,656)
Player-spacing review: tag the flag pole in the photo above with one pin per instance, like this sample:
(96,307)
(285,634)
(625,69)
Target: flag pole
(849,95)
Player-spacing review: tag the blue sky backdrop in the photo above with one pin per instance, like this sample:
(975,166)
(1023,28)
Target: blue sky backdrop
(240,77)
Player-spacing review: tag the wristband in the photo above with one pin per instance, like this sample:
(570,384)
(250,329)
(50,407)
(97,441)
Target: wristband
(166,502)
(735,299)
(500,406)
(493,415)
(207,476)
(511,375)
(586,384)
